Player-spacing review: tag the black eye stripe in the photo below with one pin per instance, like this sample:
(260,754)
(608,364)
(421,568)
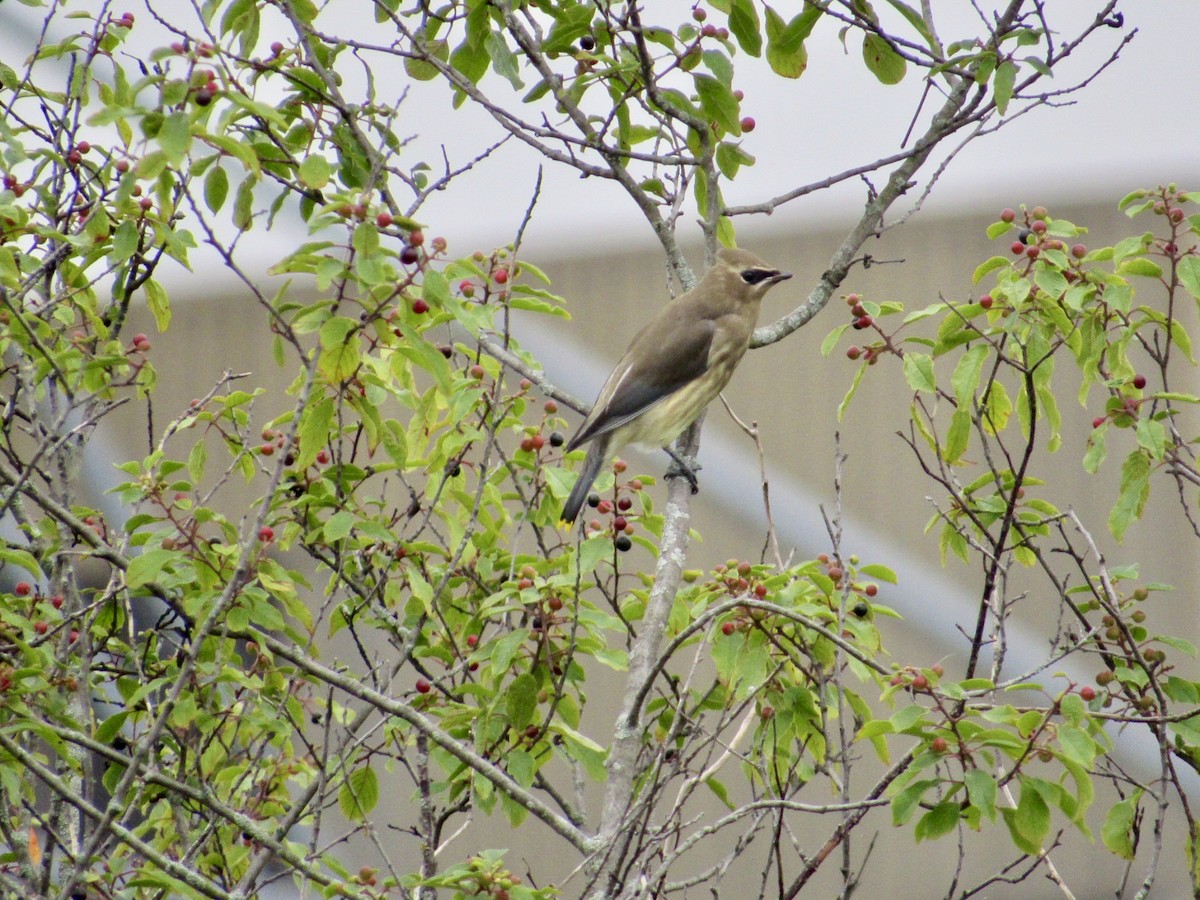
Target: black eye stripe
(754,276)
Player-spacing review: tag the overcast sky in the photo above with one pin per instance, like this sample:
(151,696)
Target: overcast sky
(1136,125)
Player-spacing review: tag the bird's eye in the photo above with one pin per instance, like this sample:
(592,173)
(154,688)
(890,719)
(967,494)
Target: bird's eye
(754,276)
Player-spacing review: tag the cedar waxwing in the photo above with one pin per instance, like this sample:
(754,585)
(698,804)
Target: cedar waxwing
(676,365)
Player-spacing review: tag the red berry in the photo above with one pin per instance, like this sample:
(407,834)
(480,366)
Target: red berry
(74,158)
(739,95)
(619,523)
(871,590)
(267,449)
(57,601)
(41,627)
(476,371)
(83,146)
(624,503)
(709,30)
(1018,247)
(524,584)
(146,204)
(472,640)
(423,686)
(1033,252)
(1007,214)
(538,442)
(1098,421)
(420,307)
(122,166)
(1139,381)
(986,301)
(266,534)
(920,683)
(500,275)
(760,591)
(767,712)
(322,456)
(1039,212)
(604,507)
(551,407)
(1087,693)
(204,96)
(723,34)
(938,744)
(1176,215)
(937,670)
(276,48)
(384,219)
(835,573)
(728,628)
(527,444)
(748,124)
(23,589)
(1038,227)
(699,14)
(416,237)
(863,322)
(1079,251)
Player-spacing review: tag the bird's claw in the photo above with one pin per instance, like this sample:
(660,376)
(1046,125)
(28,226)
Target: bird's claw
(684,467)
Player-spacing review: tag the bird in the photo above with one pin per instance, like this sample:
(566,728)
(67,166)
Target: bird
(674,367)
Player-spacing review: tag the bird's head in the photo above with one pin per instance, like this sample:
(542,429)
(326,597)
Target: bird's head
(743,274)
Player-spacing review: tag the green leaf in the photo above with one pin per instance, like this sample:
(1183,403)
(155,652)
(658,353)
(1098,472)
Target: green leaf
(175,137)
(996,262)
(918,371)
(884,62)
(1135,490)
(1005,84)
(216,188)
(831,339)
(359,794)
(521,700)
(786,53)
(146,568)
(159,303)
(938,821)
(313,432)
(340,357)
(1117,832)
(1189,274)
(858,377)
(504,61)
(1139,265)
(315,171)
(744,24)
(1032,819)
(981,791)
(570,24)
(718,103)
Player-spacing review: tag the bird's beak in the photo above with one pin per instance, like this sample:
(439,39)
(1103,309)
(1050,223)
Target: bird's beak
(780,276)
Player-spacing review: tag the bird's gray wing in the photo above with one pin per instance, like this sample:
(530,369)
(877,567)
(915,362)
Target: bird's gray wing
(669,352)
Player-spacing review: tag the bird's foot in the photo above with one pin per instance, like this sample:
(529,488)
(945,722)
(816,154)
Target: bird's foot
(684,467)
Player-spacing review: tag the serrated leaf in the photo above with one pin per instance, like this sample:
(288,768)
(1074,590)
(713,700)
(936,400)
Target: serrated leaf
(1135,490)
(1139,265)
(918,371)
(940,820)
(786,53)
(981,791)
(175,137)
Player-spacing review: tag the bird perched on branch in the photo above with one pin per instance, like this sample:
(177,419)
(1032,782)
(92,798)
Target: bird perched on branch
(675,367)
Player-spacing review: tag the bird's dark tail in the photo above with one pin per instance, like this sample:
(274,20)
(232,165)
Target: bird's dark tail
(597,452)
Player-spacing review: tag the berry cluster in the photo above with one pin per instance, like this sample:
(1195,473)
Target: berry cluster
(861,319)
(619,509)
